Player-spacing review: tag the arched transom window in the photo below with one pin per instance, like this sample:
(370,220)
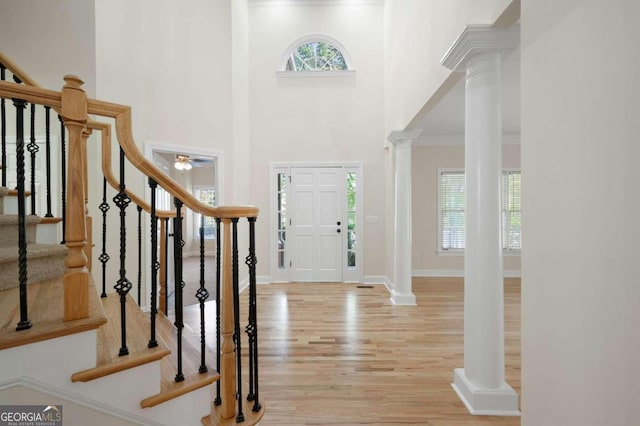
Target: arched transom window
(316,56)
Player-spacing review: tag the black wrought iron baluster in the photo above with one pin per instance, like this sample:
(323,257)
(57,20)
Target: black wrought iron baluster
(218,400)
(139,255)
(3,130)
(252,327)
(236,315)
(104,257)
(24,323)
(63,168)
(166,266)
(47,117)
(202,294)
(155,266)
(122,200)
(32,147)
(178,244)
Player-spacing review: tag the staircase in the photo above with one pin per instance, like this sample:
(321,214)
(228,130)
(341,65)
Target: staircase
(100,350)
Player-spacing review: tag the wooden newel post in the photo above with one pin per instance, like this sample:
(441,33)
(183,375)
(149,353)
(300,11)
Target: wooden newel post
(76,278)
(228,356)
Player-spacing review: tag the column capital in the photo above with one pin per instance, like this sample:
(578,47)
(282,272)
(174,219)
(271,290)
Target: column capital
(477,39)
(404,137)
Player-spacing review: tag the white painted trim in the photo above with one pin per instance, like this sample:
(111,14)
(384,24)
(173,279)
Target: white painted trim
(403,299)
(315,74)
(422,273)
(485,402)
(77,399)
(243,285)
(378,279)
(276,3)
(402,136)
(263,279)
(308,39)
(351,275)
(478,39)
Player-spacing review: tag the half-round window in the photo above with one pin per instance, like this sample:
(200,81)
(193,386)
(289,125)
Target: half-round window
(316,56)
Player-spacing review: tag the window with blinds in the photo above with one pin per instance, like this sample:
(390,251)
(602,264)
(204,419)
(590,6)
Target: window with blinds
(451,187)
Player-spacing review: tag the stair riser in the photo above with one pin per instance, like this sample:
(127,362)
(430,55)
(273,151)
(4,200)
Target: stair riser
(9,235)
(10,205)
(38,269)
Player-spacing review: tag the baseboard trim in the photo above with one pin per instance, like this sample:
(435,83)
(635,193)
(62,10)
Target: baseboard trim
(263,279)
(378,279)
(485,402)
(39,386)
(456,273)
(197,253)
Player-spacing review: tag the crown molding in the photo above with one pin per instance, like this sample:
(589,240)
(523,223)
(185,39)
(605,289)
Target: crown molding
(399,136)
(477,39)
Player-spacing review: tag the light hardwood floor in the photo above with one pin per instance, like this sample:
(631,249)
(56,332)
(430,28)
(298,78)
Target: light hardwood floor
(336,354)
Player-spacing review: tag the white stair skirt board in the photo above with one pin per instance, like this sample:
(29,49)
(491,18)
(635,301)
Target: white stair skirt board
(403,299)
(485,402)
(47,233)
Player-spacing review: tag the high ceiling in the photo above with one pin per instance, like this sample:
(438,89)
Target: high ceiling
(444,124)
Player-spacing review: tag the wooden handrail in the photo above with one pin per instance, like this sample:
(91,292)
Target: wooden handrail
(105,130)
(122,116)
(17,71)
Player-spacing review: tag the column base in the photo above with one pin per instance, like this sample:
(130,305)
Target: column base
(485,402)
(407,299)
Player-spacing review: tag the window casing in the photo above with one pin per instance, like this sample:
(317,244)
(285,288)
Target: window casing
(451,211)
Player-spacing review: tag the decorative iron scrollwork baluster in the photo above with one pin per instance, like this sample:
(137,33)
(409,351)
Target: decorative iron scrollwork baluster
(104,257)
(24,323)
(236,316)
(202,295)
(139,254)
(122,200)
(33,149)
(3,130)
(252,327)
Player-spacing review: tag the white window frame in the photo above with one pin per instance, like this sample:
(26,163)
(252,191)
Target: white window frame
(282,71)
(460,252)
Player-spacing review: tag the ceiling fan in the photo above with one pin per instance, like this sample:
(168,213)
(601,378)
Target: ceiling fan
(185,162)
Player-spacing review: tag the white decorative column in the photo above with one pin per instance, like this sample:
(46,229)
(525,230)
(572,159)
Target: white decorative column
(402,293)
(481,383)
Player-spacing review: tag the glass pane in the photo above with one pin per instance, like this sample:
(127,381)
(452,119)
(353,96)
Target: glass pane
(351,221)
(351,259)
(351,191)
(317,56)
(280,259)
(351,240)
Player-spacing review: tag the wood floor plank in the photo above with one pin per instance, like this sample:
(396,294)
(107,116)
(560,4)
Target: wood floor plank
(336,354)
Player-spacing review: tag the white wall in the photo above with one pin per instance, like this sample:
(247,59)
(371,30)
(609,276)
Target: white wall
(50,39)
(418,34)
(315,118)
(426,162)
(581,228)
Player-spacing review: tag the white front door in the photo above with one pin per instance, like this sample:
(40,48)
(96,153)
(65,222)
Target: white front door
(316,233)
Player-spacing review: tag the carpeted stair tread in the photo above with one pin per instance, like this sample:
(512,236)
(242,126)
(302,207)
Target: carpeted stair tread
(44,261)
(34,251)
(9,229)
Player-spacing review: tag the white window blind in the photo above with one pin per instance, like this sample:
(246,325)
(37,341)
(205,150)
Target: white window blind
(452,210)
(511,210)
(451,206)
